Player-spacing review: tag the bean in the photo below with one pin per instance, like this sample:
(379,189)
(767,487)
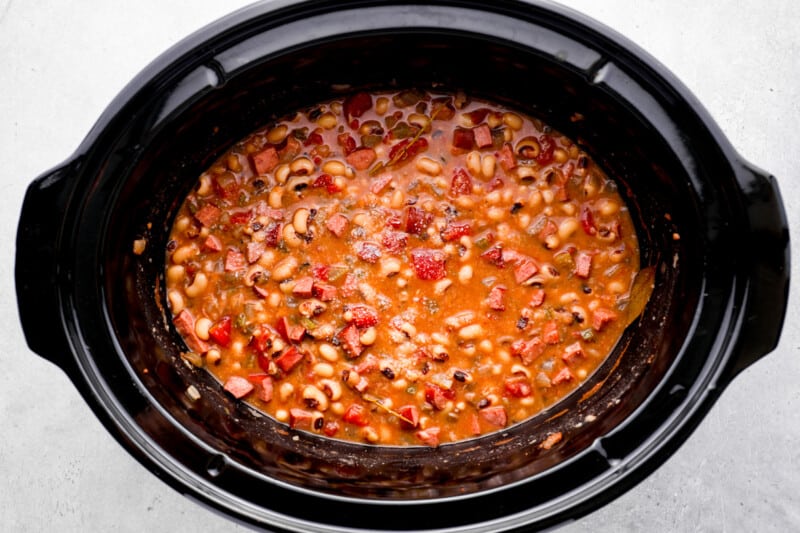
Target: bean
(569,208)
(334,168)
(440,286)
(370,434)
(233,163)
(282,173)
(525,172)
(302,166)
(282,415)
(176,273)
(560,155)
(328,352)
(390,266)
(333,389)
(428,166)
(253,273)
(513,121)
(184,253)
(471,332)
(535,199)
(419,120)
(551,242)
(213,356)
(485,346)
(284,269)
(176,303)
(201,327)
(474,163)
(205,188)
(368,337)
(608,207)
(381,105)
(198,286)
(290,237)
(496,214)
(493,198)
(300,220)
(277,134)
(274,299)
(315,398)
(567,228)
(285,391)
(327,120)
(616,287)
(488,165)
(323,370)
(398,199)
(275,198)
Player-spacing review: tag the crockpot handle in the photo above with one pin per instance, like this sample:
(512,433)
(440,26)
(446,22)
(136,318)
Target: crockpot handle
(767,249)
(37,265)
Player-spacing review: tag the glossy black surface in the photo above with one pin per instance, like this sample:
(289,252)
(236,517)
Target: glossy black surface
(718,306)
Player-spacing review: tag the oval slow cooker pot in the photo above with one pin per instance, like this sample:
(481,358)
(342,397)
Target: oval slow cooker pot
(712,226)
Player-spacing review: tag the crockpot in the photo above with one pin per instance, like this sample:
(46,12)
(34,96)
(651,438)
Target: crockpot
(711,226)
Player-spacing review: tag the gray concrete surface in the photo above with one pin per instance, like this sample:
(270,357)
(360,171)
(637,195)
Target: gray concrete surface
(62,62)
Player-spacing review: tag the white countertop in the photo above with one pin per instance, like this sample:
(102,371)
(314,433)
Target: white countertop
(61,63)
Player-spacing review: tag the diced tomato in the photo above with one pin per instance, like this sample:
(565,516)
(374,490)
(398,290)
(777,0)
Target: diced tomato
(241,217)
(380,182)
(315,138)
(548,146)
(461,183)
(208,215)
(362,158)
(337,224)
(572,352)
(272,234)
(356,414)
(463,138)
(300,418)
(364,316)
(324,291)
(429,436)
(550,333)
(350,285)
(238,386)
(331,428)
(394,241)
(289,358)
(356,105)
(351,341)
(494,256)
(428,264)
(518,386)
(602,316)
(537,297)
(254,251)
(410,414)
(221,331)
(212,244)
(548,228)
(417,220)
(261,340)
(495,415)
(368,252)
(266,160)
(495,298)
(506,158)
(303,287)
(437,396)
(583,264)
(454,230)
(184,323)
(266,391)
(327,182)
(234,260)
(225,185)
(347,143)
(256,378)
(528,350)
(483,135)
(320,272)
(290,332)
(587,220)
(563,376)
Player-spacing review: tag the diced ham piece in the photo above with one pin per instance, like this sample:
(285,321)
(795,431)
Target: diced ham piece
(483,135)
(289,358)
(290,332)
(380,182)
(583,264)
(524,270)
(367,364)
(537,297)
(429,264)
(394,241)
(494,256)
(266,160)
(437,396)
(563,376)
(324,291)
(238,386)
(417,220)
(356,414)
(263,210)
(461,183)
(208,215)
(290,149)
(518,386)
(550,333)
(265,393)
(184,323)
(350,286)
(429,436)
(495,298)
(602,316)
(212,244)
(455,230)
(363,316)
(351,342)
(347,142)
(272,234)
(362,158)
(410,414)
(572,353)
(495,415)
(368,251)
(463,138)
(303,287)
(300,418)
(327,182)
(506,158)
(241,217)
(528,350)
(337,224)
(254,251)
(234,260)
(356,105)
